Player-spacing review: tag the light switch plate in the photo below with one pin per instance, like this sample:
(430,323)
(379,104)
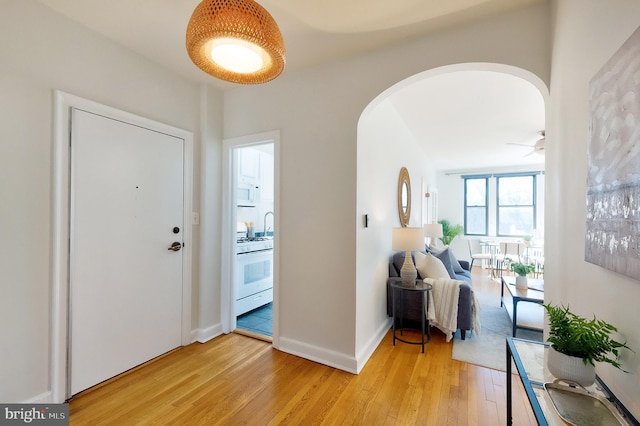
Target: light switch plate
(195,219)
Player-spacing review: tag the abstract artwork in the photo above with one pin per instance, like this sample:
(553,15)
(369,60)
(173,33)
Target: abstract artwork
(613,178)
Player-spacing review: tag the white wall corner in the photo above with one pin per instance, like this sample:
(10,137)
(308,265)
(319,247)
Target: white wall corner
(318,354)
(367,351)
(203,335)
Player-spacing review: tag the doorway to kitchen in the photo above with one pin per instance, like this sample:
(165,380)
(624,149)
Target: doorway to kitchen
(253,273)
(250,232)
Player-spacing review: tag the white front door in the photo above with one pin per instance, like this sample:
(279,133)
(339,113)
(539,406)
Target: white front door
(126,210)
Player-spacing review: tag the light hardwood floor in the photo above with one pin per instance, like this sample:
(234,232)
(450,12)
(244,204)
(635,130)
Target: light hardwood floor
(234,380)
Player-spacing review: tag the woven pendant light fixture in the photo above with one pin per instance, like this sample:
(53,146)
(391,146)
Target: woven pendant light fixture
(236,41)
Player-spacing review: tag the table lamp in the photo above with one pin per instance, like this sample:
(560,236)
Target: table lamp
(408,240)
(432,230)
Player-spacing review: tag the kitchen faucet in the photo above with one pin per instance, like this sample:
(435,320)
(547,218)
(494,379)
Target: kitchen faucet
(264,229)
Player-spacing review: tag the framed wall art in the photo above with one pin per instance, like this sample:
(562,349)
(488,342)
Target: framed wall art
(613,177)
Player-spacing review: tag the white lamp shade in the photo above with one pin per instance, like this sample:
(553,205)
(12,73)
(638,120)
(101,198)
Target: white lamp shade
(407,239)
(433,230)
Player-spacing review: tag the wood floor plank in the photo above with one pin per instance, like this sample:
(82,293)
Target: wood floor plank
(463,402)
(476,398)
(234,380)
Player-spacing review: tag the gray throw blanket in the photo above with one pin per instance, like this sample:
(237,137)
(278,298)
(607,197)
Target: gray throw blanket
(443,306)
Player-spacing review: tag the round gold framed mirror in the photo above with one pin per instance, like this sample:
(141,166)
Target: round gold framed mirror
(404,197)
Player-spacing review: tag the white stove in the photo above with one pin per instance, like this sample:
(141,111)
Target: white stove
(254,273)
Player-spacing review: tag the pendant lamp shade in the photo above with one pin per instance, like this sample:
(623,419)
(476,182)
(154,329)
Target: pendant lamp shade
(236,41)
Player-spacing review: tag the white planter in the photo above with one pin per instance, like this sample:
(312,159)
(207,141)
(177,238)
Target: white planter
(521,282)
(570,368)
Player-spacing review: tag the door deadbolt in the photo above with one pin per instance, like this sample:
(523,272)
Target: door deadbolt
(175,246)
(176,230)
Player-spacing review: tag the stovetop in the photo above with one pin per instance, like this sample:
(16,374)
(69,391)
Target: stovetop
(248,240)
(247,245)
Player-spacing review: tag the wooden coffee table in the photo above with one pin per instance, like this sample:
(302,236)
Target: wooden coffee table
(533,294)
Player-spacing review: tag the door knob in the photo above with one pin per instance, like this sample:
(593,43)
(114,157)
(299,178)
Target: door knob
(175,246)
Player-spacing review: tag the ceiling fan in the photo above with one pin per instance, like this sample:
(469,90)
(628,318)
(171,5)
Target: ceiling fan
(538,147)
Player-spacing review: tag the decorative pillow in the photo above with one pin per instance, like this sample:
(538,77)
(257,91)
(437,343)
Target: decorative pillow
(445,258)
(430,249)
(455,264)
(457,268)
(419,260)
(429,266)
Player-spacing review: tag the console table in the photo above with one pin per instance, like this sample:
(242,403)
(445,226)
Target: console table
(530,362)
(424,290)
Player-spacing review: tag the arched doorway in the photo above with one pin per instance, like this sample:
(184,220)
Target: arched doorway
(388,141)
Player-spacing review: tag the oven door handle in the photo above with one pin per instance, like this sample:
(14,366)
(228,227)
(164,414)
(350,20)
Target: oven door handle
(255,251)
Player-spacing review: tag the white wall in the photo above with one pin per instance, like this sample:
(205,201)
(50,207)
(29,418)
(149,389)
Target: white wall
(42,51)
(207,294)
(588,33)
(385,145)
(317,111)
(451,208)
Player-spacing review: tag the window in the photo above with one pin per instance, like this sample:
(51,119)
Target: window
(504,205)
(476,214)
(516,202)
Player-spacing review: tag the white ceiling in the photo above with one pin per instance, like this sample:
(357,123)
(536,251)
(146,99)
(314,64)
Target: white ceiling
(471,119)
(491,110)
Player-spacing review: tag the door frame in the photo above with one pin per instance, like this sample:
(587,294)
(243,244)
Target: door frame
(61,226)
(229,172)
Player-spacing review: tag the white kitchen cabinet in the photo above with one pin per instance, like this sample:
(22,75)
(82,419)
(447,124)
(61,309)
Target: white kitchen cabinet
(266,177)
(249,165)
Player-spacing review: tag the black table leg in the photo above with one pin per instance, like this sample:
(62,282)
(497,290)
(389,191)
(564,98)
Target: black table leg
(515,315)
(509,384)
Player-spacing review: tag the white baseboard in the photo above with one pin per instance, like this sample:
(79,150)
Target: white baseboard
(43,398)
(335,359)
(318,354)
(365,353)
(203,335)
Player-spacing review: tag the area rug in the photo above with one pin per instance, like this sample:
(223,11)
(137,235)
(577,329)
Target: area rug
(488,348)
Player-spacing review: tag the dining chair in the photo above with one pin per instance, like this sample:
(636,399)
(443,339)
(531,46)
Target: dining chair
(536,255)
(509,250)
(475,251)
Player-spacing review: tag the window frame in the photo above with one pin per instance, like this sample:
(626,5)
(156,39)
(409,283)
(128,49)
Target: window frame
(486,204)
(534,200)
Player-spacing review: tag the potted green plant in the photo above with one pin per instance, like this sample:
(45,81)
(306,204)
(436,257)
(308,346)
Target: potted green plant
(578,343)
(521,269)
(527,240)
(449,231)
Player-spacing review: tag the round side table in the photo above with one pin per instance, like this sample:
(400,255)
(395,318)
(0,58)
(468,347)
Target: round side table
(424,291)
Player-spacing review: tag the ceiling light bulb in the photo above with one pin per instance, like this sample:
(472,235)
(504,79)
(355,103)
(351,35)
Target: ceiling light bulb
(237,55)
